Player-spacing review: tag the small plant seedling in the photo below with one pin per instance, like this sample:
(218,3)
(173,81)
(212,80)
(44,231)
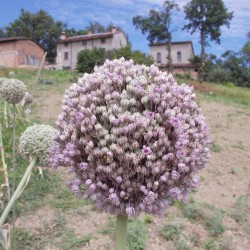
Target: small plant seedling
(216,148)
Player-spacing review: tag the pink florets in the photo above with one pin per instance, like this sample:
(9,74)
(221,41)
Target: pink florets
(134,138)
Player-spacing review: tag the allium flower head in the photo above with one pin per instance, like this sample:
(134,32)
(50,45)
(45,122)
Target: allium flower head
(28,98)
(11,74)
(36,141)
(133,138)
(2,80)
(12,90)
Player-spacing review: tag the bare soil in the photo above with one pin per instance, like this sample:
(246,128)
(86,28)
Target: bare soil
(226,178)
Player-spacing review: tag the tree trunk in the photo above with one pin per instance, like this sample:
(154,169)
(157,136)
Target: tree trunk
(202,64)
(169,58)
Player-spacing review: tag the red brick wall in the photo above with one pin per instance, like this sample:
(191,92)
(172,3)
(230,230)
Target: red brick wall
(20,52)
(8,56)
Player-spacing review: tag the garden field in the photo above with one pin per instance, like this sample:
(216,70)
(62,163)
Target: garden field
(216,218)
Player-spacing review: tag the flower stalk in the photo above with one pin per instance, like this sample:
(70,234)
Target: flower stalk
(5,171)
(17,191)
(5,115)
(14,171)
(121,232)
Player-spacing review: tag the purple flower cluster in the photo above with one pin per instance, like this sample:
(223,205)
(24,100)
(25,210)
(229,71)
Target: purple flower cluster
(133,138)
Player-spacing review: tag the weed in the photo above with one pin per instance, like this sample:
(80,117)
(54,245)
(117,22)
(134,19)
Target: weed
(23,239)
(171,232)
(241,213)
(71,241)
(192,211)
(210,217)
(148,219)
(182,245)
(215,147)
(64,199)
(213,224)
(239,145)
(61,236)
(209,245)
(233,171)
(109,228)
(136,235)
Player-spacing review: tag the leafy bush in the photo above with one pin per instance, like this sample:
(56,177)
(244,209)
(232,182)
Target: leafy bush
(87,59)
(218,75)
(126,52)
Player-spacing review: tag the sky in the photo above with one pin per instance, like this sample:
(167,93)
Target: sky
(78,13)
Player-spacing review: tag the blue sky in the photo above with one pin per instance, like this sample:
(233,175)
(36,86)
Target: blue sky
(78,13)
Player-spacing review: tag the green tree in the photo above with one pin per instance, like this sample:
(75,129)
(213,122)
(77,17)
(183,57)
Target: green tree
(236,66)
(206,17)
(88,59)
(39,26)
(96,27)
(126,52)
(74,32)
(158,27)
(246,51)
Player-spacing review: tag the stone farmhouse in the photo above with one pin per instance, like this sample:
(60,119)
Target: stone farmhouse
(69,47)
(181,52)
(20,52)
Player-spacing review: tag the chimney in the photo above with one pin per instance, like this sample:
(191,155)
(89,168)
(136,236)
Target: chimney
(90,33)
(113,29)
(63,36)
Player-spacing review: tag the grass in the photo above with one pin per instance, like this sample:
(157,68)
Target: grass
(171,232)
(28,76)
(210,217)
(223,93)
(136,235)
(56,234)
(209,245)
(64,199)
(241,212)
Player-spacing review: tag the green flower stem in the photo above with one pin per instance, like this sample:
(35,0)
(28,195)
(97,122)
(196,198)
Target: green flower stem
(5,115)
(17,192)
(121,232)
(6,178)
(14,173)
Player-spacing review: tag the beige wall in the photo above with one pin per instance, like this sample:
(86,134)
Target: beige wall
(20,52)
(117,41)
(185,49)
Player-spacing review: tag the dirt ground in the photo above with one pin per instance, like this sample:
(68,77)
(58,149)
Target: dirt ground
(226,178)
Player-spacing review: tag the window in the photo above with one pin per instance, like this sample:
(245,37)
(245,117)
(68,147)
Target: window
(66,44)
(103,40)
(159,57)
(178,56)
(84,43)
(66,55)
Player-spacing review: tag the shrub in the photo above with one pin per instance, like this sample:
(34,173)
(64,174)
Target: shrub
(88,59)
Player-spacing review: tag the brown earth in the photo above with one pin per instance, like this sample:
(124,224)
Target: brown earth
(225,179)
